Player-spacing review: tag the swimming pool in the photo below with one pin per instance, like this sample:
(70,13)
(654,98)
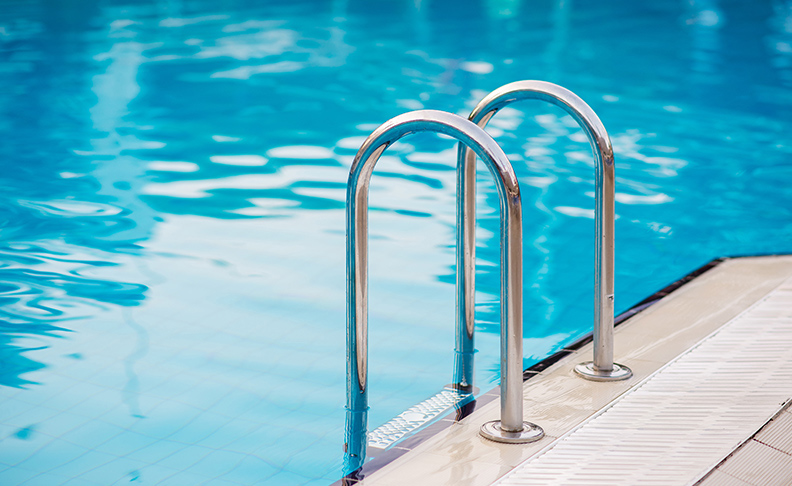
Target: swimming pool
(173,230)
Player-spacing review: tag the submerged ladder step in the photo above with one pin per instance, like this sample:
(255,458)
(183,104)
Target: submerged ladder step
(416,417)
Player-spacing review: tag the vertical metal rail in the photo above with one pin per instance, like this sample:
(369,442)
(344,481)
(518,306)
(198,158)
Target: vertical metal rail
(511,428)
(602,368)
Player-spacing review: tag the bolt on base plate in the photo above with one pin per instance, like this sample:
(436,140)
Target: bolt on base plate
(619,372)
(529,433)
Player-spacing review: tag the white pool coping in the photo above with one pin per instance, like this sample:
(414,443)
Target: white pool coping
(686,322)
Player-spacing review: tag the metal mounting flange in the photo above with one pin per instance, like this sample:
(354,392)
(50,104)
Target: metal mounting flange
(529,433)
(619,372)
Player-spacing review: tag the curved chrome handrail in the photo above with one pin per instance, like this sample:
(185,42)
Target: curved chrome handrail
(512,425)
(602,368)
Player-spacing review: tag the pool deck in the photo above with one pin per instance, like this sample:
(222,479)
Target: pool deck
(712,364)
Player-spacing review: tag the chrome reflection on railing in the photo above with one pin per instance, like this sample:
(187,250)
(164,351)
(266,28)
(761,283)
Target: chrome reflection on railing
(511,428)
(602,368)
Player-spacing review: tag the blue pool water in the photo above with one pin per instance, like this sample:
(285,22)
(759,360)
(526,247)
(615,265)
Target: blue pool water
(171,212)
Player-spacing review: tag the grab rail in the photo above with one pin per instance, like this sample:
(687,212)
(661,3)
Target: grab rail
(511,427)
(602,368)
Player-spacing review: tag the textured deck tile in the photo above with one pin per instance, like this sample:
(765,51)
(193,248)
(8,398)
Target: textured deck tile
(760,465)
(719,478)
(778,433)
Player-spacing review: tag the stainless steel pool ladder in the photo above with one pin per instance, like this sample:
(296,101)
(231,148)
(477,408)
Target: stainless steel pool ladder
(602,368)
(511,427)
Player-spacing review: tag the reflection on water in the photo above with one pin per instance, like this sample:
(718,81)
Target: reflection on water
(705,19)
(172,251)
(779,41)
